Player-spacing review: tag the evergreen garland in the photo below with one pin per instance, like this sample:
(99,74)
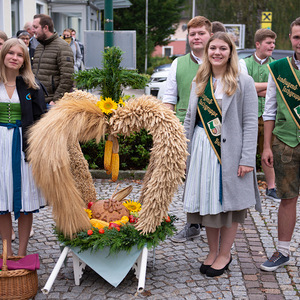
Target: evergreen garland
(116,240)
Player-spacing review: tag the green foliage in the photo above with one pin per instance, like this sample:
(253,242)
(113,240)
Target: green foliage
(116,240)
(163,19)
(258,163)
(157,61)
(134,151)
(111,78)
(249,12)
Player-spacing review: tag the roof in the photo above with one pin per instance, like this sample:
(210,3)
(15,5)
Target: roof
(98,3)
(116,4)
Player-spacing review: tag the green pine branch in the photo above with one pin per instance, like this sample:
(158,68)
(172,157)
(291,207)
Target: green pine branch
(112,78)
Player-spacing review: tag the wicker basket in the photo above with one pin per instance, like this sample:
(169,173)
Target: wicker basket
(16,284)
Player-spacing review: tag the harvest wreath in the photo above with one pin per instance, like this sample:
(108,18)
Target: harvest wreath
(61,171)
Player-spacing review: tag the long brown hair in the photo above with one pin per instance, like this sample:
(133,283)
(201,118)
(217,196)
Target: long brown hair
(229,80)
(25,71)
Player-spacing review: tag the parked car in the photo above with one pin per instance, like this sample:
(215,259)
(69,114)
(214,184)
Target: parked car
(165,67)
(156,86)
(277,53)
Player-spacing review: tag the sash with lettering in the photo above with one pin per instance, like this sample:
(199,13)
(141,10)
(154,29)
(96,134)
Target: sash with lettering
(211,117)
(287,84)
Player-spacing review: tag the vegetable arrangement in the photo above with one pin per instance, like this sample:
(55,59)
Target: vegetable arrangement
(117,234)
(119,238)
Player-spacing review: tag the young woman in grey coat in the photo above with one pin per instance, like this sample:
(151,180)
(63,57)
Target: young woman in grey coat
(221,125)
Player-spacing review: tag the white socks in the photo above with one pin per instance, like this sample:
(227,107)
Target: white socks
(284,248)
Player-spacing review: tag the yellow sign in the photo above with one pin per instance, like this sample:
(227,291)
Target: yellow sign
(266,25)
(266,16)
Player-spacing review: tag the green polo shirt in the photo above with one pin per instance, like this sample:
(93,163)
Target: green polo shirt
(185,73)
(259,73)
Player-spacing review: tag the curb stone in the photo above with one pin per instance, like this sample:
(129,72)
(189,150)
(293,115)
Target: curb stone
(139,174)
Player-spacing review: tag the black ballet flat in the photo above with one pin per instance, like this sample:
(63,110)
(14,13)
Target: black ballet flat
(211,272)
(204,268)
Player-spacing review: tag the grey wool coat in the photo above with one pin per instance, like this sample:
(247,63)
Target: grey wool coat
(238,143)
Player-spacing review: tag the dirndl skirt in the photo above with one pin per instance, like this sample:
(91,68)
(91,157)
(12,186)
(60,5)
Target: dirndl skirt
(31,197)
(202,201)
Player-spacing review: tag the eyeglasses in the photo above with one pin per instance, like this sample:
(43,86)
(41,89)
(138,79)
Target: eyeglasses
(25,39)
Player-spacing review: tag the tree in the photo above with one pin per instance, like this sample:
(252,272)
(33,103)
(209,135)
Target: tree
(163,19)
(248,12)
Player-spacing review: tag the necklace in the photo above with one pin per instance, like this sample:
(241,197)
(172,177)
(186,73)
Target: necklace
(10,85)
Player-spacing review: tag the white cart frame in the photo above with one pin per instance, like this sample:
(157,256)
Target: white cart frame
(78,267)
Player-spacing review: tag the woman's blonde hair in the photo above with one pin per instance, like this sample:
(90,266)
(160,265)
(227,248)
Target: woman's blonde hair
(25,71)
(229,80)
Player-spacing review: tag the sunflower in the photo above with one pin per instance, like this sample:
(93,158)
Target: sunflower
(132,206)
(107,105)
(121,102)
(89,212)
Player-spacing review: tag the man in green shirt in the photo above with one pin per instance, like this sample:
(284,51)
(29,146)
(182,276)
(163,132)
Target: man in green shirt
(256,66)
(282,119)
(177,94)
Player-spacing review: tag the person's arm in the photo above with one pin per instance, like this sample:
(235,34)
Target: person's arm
(171,92)
(78,55)
(38,103)
(269,117)
(170,106)
(261,88)
(243,66)
(267,155)
(249,126)
(65,64)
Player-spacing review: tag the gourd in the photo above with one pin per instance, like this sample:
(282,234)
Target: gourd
(98,223)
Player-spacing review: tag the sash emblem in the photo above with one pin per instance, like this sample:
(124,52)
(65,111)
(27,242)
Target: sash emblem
(297,111)
(215,127)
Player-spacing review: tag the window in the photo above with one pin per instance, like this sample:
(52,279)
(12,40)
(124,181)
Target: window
(39,9)
(167,51)
(15,16)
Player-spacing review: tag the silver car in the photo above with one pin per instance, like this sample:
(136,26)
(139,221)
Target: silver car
(156,86)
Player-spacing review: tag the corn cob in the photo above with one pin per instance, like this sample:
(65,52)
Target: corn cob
(107,153)
(115,167)
(115,162)
(98,223)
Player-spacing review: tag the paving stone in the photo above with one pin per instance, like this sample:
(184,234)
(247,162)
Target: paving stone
(176,272)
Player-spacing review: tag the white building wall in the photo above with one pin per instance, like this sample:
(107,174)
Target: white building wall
(27,9)
(5,17)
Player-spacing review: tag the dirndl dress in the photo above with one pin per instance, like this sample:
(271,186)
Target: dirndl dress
(31,197)
(203,188)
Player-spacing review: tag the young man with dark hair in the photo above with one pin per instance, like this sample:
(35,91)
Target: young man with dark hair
(217,26)
(282,119)
(53,62)
(256,66)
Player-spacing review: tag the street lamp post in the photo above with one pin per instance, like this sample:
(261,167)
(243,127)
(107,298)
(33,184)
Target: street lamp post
(146,37)
(108,24)
(194,9)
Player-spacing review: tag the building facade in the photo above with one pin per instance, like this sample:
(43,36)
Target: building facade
(78,14)
(177,44)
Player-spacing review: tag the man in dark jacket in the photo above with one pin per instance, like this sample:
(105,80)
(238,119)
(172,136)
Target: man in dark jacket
(53,62)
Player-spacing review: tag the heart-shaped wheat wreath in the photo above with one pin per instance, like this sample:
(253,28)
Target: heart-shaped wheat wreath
(62,173)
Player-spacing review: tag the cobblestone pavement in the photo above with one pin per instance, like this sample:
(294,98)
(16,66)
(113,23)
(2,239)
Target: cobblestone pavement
(175,274)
